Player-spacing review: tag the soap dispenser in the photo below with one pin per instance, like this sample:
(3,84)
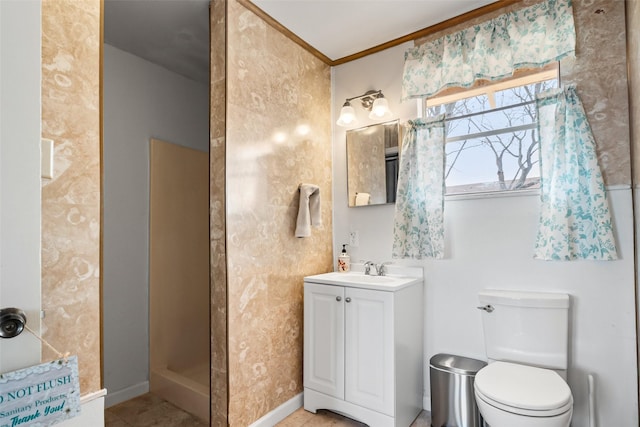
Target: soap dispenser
(344,260)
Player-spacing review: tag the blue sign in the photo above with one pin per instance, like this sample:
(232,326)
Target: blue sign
(40,396)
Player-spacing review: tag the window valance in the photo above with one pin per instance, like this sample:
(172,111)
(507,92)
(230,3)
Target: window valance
(530,37)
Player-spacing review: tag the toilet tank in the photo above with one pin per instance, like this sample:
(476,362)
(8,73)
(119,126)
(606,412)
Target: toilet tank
(531,328)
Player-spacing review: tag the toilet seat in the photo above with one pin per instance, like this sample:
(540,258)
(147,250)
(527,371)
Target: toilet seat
(524,390)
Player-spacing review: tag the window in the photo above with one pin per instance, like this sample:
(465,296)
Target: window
(492,139)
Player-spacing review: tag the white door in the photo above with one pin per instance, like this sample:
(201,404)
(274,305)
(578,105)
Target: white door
(324,339)
(20,70)
(369,349)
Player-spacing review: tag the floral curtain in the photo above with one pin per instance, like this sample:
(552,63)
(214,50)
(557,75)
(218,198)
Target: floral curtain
(575,222)
(418,230)
(529,37)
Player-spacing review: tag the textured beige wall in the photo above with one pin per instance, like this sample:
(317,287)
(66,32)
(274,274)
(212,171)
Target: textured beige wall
(71,201)
(633,53)
(600,74)
(217,218)
(278,136)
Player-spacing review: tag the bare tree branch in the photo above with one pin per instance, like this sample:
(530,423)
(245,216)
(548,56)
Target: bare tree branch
(513,150)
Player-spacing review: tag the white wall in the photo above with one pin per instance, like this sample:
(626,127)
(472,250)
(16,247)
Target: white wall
(141,100)
(489,245)
(382,71)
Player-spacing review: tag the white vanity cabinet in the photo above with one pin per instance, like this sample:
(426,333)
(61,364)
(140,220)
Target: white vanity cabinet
(363,349)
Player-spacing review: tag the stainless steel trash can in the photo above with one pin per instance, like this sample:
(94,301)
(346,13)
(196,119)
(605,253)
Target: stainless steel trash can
(453,402)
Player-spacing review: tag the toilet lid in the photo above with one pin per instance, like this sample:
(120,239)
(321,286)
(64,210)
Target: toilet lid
(523,387)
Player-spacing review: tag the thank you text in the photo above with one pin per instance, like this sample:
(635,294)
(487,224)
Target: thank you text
(41,395)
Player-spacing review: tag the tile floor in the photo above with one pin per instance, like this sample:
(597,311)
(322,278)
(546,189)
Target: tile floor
(149,410)
(302,418)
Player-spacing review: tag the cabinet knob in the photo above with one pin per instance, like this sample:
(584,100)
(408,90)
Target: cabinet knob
(347,299)
(338,299)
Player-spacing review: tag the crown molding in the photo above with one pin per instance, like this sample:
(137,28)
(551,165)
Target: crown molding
(391,43)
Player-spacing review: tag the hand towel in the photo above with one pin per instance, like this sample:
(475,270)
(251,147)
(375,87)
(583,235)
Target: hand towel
(362,199)
(308,210)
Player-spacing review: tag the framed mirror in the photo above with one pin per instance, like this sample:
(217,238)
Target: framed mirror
(372,164)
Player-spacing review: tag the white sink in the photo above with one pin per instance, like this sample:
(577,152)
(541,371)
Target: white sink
(360,280)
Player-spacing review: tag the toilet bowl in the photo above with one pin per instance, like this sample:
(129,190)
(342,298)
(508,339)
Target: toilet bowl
(514,395)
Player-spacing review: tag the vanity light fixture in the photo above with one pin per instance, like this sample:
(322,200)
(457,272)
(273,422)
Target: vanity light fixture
(372,100)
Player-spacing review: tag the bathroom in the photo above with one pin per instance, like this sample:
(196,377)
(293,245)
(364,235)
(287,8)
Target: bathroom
(489,239)
(489,242)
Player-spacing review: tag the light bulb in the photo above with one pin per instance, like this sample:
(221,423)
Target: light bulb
(380,109)
(347,115)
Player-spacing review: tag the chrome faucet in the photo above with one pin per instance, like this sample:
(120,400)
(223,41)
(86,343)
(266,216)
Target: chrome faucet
(380,268)
(367,267)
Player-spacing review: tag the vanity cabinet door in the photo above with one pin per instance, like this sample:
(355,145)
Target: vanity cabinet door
(369,341)
(324,339)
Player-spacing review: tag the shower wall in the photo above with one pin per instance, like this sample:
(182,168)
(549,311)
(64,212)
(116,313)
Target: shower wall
(179,276)
(278,135)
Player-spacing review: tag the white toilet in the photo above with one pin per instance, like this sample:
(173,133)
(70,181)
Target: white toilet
(526,337)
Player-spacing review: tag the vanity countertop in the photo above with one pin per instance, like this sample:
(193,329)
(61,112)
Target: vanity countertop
(398,278)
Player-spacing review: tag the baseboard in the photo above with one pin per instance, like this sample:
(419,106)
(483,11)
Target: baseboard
(115,397)
(280,413)
(295,403)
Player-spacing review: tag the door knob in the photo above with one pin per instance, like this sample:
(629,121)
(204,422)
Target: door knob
(12,321)
(348,299)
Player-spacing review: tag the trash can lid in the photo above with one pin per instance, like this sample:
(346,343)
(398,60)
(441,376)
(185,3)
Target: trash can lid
(458,364)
